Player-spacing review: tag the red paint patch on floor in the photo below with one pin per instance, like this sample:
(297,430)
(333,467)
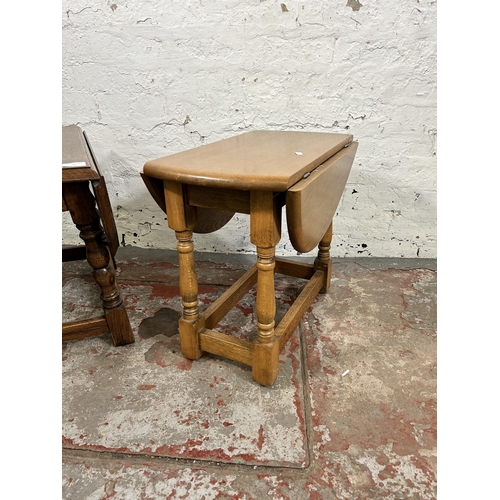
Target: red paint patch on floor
(163,291)
(69,443)
(185,365)
(146,387)
(156,356)
(260,441)
(329,371)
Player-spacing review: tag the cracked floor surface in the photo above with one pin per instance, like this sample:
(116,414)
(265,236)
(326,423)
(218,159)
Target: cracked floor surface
(352,414)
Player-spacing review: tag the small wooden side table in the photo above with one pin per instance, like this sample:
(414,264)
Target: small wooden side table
(256,173)
(85,195)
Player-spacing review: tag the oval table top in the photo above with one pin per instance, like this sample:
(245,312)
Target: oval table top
(257,160)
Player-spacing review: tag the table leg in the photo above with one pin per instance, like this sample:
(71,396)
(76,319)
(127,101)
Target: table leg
(265,233)
(323,261)
(190,323)
(182,219)
(81,205)
(188,281)
(266,299)
(265,359)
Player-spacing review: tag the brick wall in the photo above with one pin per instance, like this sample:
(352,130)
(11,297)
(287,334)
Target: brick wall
(146,78)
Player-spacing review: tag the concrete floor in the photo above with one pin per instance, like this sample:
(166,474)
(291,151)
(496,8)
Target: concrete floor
(351,416)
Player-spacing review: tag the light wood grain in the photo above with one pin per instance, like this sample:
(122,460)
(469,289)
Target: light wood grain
(265,219)
(188,282)
(208,220)
(226,346)
(323,261)
(290,267)
(256,173)
(189,334)
(156,190)
(265,233)
(312,202)
(228,199)
(265,363)
(218,309)
(180,216)
(265,302)
(258,160)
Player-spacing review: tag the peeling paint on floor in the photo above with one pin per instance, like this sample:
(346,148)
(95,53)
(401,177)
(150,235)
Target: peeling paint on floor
(352,415)
(148,399)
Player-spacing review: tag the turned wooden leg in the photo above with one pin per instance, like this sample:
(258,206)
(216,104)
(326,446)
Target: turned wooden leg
(266,299)
(82,208)
(323,260)
(265,361)
(182,219)
(188,282)
(190,323)
(265,232)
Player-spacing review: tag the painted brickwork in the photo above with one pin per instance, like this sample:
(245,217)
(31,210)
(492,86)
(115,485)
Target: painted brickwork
(150,78)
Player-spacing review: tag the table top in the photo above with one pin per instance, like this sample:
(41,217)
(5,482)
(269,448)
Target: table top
(258,160)
(78,163)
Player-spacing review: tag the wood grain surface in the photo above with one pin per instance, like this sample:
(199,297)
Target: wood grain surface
(257,160)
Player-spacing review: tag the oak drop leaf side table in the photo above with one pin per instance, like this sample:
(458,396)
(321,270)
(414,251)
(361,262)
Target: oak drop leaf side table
(255,173)
(85,195)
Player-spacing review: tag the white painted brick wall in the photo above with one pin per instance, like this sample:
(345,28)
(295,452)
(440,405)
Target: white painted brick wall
(147,78)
